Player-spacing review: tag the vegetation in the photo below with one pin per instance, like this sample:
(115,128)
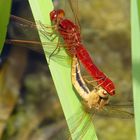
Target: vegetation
(37,113)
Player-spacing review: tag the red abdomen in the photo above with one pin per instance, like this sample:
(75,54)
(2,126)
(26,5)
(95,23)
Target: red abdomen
(98,75)
(71,35)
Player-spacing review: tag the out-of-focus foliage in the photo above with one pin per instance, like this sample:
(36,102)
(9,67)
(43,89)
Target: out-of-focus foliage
(11,73)
(38,107)
(106,16)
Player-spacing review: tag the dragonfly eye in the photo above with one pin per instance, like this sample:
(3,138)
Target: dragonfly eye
(53,15)
(57,15)
(61,13)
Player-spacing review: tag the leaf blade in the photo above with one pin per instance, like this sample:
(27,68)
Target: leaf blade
(135,33)
(4,18)
(68,99)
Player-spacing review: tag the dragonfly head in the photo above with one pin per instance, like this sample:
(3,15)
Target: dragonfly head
(97,98)
(57,15)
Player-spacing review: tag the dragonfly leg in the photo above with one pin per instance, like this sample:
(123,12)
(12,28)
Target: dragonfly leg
(55,51)
(90,82)
(95,83)
(46,30)
(47,34)
(53,38)
(103,102)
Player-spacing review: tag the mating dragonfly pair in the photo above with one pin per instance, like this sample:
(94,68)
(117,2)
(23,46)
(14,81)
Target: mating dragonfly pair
(97,97)
(94,99)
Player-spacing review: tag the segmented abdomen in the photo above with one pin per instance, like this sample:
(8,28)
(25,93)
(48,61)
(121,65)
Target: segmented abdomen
(71,35)
(98,75)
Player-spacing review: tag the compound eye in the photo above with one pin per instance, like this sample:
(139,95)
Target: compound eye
(57,15)
(53,15)
(61,13)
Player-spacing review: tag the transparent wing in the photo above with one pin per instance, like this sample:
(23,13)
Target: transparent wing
(120,111)
(123,111)
(44,29)
(73,4)
(49,32)
(24,27)
(59,56)
(79,119)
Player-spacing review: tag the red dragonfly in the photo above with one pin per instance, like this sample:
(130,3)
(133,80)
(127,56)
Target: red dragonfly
(70,33)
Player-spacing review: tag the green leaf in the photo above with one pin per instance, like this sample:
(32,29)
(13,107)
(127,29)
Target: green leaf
(135,26)
(4,18)
(138,2)
(61,74)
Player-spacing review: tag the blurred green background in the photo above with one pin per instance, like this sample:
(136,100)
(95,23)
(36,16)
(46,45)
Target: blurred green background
(29,106)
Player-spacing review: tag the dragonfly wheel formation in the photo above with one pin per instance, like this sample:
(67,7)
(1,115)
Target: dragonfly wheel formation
(74,47)
(70,33)
(96,98)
